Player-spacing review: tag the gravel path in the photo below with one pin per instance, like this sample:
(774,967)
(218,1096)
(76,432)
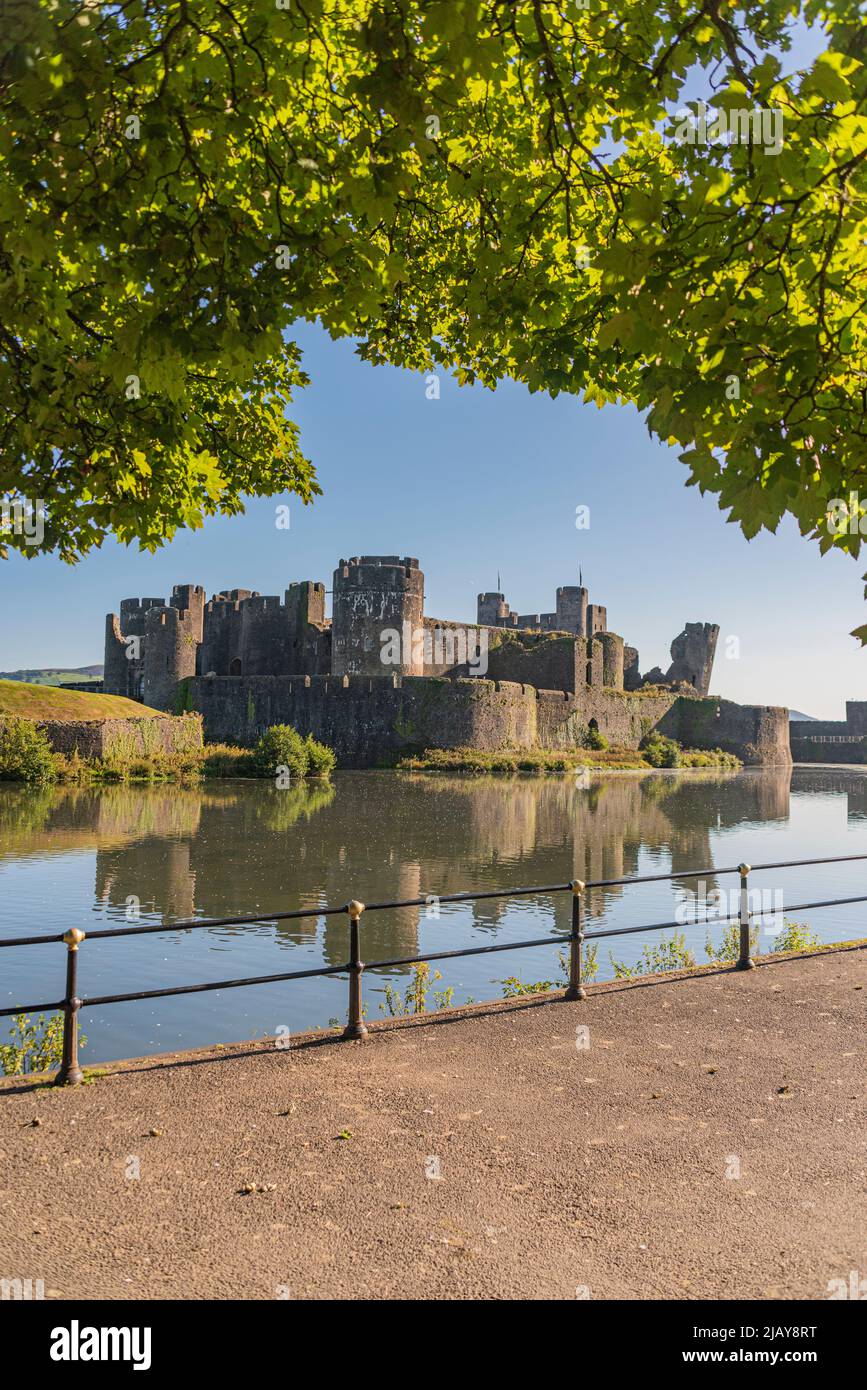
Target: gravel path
(480,1155)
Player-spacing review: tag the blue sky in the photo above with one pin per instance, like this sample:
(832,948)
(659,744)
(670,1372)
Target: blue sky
(477,483)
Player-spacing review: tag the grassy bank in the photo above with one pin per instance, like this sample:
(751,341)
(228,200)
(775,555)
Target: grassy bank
(281,755)
(26,700)
(541,760)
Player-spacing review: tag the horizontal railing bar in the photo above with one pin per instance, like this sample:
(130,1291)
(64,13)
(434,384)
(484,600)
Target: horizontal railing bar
(215,984)
(802,907)
(30,1008)
(794,863)
(29,940)
(730,869)
(197,924)
(470,951)
(470,897)
(659,926)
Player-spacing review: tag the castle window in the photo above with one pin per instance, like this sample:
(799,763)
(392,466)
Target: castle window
(235,667)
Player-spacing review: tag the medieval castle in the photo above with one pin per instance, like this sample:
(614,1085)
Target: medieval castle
(381,677)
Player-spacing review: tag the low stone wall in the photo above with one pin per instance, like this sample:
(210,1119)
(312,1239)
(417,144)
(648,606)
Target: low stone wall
(372,720)
(124,738)
(754,733)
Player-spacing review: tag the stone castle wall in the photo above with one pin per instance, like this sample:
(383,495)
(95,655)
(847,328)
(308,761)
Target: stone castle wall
(831,740)
(373,720)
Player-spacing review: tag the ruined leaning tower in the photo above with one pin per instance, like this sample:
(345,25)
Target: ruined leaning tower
(374,595)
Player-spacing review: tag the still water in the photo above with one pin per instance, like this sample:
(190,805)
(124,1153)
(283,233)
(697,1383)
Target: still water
(93,858)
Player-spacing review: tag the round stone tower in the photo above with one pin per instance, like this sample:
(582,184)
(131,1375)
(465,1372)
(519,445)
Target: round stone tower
(612,659)
(377,620)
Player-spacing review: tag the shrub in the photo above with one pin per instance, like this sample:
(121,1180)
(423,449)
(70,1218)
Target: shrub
(596,740)
(730,944)
(660,751)
(795,936)
(657,960)
(227,760)
(513,987)
(321,760)
(25,753)
(414,1000)
(281,746)
(37,1045)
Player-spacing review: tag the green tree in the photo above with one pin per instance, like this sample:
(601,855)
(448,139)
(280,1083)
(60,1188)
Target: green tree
(498,190)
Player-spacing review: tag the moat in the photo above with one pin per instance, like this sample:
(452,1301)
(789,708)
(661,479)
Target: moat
(91,858)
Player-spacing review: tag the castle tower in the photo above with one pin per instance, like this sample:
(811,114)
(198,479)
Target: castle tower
(856,716)
(597,619)
(491,610)
(572,609)
(612,659)
(171,643)
(378,603)
(124,647)
(305,604)
(190,598)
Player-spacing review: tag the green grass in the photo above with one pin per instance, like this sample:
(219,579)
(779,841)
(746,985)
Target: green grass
(30,701)
(545,760)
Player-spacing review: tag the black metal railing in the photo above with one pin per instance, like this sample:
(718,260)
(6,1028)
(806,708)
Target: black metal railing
(70,1074)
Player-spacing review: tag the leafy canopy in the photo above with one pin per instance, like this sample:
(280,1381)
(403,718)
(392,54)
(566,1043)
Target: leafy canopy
(490,188)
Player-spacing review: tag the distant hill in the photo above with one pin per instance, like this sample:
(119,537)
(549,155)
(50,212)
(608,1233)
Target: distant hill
(54,675)
(796,716)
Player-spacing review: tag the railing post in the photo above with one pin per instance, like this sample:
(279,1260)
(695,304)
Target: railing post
(575,989)
(355,1025)
(745,960)
(70,1073)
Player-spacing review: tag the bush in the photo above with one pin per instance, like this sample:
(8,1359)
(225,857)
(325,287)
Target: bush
(414,1000)
(36,1045)
(660,751)
(321,760)
(281,746)
(227,760)
(795,936)
(673,954)
(730,944)
(596,740)
(25,753)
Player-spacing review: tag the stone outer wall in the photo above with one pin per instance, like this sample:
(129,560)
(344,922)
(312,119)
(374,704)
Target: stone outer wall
(372,720)
(755,733)
(134,738)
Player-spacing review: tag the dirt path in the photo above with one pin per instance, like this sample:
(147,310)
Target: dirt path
(564,1171)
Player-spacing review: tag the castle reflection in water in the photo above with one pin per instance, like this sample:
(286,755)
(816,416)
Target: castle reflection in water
(236,848)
